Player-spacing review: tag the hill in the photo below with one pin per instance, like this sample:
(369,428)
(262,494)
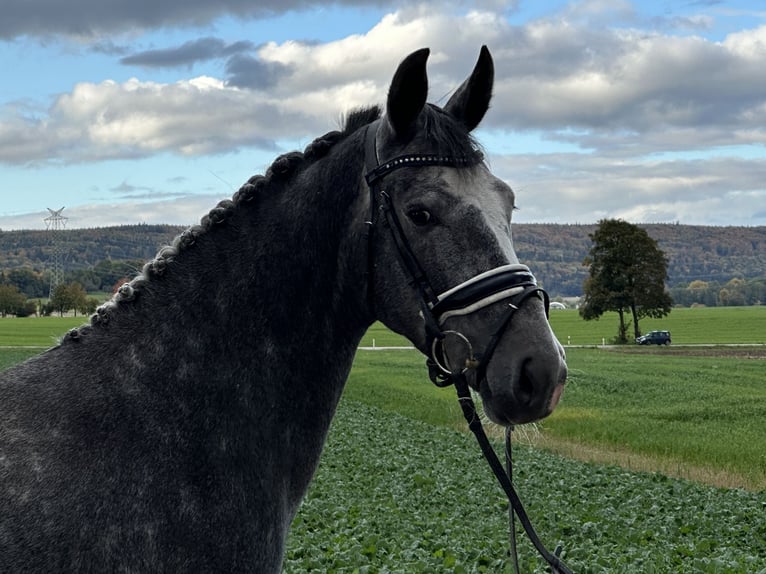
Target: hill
(84,248)
(695,252)
(553,252)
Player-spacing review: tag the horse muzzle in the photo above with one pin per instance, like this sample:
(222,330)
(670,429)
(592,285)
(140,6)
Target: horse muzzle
(519,385)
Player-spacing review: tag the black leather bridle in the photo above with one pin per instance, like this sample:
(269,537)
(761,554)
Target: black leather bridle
(513,284)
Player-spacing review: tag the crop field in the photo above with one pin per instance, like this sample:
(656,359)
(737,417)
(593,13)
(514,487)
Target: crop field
(678,413)
(397,495)
(402,488)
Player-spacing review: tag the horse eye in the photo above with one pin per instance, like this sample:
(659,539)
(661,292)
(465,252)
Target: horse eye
(419,217)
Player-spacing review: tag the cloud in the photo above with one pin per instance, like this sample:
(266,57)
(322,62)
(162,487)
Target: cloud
(188,53)
(94,18)
(244,71)
(176,210)
(653,113)
(134,119)
(612,90)
(582,188)
(125,188)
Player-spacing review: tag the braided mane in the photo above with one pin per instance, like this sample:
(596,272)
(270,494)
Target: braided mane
(281,171)
(440,128)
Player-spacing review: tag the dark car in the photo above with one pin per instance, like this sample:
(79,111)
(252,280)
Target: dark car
(654,338)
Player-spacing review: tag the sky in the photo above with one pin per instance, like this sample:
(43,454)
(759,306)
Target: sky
(128,112)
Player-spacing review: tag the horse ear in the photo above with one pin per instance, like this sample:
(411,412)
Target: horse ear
(407,94)
(471,100)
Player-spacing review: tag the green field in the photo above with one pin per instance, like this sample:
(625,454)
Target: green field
(676,413)
(673,409)
(734,325)
(395,495)
(35,331)
(402,488)
(704,325)
(695,413)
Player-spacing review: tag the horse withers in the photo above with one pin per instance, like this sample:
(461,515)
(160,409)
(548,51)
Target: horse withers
(178,431)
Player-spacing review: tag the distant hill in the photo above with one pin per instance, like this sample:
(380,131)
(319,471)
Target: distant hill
(553,252)
(83,248)
(695,252)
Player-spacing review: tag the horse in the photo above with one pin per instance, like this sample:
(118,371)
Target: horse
(178,429)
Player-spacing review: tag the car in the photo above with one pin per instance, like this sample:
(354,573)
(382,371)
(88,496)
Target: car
(654,337)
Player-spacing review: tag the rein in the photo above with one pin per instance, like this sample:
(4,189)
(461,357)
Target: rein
(509,282)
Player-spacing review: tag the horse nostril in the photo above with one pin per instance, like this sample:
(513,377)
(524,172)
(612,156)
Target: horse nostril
(525,387)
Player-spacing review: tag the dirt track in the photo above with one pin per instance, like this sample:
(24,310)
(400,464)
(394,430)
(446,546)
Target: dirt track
(735,351)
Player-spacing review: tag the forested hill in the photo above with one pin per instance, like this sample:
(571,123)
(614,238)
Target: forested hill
(695,252)
(83,248)
(554,252)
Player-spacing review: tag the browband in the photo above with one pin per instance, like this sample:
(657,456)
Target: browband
(377,170)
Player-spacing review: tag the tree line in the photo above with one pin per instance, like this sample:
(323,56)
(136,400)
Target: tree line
(25,292)
(65,297)
(555,252)
(732,270)
(734,293)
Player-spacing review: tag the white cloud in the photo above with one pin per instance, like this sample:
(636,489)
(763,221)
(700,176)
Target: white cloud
(624,94)
(183,210)
(750,44)
(618,88)
(134,119)
(570,187)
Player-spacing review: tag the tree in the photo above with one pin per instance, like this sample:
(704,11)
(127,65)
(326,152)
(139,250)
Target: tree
(68,296)
(11,300)
(30,283)
(627,273)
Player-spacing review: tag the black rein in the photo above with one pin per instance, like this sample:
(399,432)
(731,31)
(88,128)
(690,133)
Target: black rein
(375,171)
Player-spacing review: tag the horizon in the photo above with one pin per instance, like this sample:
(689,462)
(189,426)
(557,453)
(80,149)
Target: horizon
(642,111)
(515,223)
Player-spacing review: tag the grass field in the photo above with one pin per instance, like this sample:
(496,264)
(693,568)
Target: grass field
(733,325)
(704,325)
(698,415)
(678,410)
(676,413)
(35,331)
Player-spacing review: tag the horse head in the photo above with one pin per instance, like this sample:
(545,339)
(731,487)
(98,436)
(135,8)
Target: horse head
(444,272)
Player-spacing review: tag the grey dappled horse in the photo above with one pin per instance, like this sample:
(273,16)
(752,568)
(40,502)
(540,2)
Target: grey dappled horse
(179,430)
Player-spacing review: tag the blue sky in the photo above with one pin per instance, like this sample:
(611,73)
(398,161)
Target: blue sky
(651,111)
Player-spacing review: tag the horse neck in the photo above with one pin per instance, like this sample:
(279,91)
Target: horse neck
(312,257)
(280,282)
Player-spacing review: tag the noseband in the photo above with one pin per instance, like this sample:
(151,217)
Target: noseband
(513,284)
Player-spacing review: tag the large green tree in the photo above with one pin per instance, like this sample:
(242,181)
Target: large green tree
(627,273)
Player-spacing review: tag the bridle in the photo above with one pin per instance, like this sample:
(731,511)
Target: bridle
(512,283)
